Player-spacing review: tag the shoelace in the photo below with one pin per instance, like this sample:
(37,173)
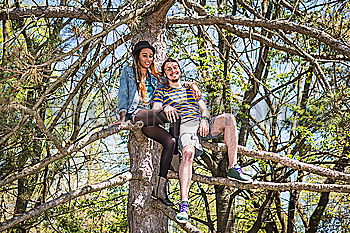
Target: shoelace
(239,170)
(184,207)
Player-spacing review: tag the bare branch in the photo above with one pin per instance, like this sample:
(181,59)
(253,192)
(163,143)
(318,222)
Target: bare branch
(119,180)
(308,57)
(94,15)
(268,185)
(271,24)
(256,36)
(73,148)
(292,8)
(42,127)
(293,163)
(261,38)
(15,129)
(88,73)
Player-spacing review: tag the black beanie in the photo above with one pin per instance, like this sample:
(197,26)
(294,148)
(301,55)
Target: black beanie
(141,45)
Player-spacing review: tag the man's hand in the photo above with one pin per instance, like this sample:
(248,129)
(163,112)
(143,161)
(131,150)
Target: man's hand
(203,128)
(171,113)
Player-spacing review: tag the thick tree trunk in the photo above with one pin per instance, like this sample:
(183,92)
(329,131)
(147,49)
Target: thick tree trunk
(225,208)
(225,199)
(145,153)
(144,160)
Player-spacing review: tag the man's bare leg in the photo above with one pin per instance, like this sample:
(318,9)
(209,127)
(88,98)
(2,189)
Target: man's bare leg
(185,175)
(227,123)
(185,171)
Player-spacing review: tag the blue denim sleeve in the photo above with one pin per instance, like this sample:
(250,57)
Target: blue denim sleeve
(123,92)
(162,82)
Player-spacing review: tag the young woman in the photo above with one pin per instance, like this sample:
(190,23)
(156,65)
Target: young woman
(137,86)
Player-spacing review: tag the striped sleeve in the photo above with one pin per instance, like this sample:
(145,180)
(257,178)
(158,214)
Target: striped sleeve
(158,96)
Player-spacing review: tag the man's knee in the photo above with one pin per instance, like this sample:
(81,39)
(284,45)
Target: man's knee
(224,120)
(188,153)
(227,119)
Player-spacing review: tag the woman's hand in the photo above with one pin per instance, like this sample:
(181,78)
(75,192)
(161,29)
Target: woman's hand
(197,92)
(171,113)
(195,89)
(120,124)
(203,128)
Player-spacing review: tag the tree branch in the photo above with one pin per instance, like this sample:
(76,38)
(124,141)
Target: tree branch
(319,188)
(293,163)
(256,36)
(42,127)
(94,15)
(88,73)
(271,24)
(119,180)
(73,148)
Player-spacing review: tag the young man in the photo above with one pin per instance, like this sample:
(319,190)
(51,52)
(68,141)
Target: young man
(196,126)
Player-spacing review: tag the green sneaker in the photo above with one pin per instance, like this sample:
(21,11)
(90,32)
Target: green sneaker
(182,217)
(236,173)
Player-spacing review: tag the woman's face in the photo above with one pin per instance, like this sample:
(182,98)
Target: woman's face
(146,58)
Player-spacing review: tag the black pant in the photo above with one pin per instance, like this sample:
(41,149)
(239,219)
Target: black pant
(152,119)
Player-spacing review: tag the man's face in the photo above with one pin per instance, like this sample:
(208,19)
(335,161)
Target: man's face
(172,71)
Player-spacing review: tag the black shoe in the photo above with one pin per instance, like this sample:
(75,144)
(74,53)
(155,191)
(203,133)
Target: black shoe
(160,191)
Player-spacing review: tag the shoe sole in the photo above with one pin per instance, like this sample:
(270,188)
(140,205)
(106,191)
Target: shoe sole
(181,221)
(242,181)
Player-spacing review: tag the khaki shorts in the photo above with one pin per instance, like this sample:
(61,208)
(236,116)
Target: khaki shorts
(189,135)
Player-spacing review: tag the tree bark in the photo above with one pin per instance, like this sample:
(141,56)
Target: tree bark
(5,38)
(144,162)
(224,198)
(94,15)
(317,214)
(225,209)
(262,213)
(145,153)
(294,196)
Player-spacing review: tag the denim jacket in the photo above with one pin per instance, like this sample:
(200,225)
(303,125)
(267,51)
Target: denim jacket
(128,96)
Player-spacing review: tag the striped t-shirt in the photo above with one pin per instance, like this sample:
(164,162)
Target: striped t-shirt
(183,99)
